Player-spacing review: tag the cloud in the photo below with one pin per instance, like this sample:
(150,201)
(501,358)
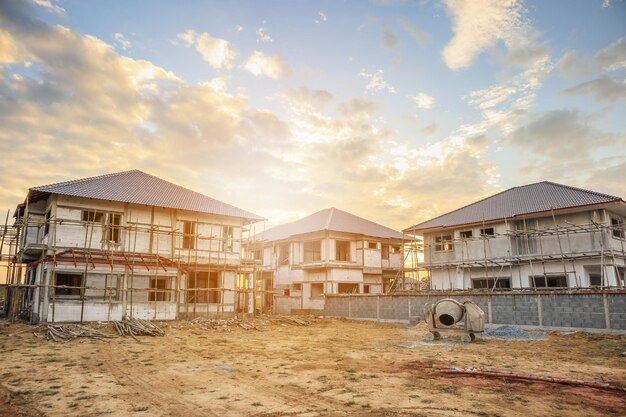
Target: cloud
(602,89)
(321,18)
(261,65)
(358,108)
(219,84)
(307,100)
(479,25)
(606,4)
(82,109)
(390,41)
(215,51)
(609,176)
(50,6)
(574,66)
(525,52)
(414,31)
(423,100)
(430,129)
(376,82)
(545,132)
(238,28)
(262,36)
(9,49)
(122,41)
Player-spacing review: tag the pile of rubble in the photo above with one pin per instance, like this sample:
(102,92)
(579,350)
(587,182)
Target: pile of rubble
(257,323)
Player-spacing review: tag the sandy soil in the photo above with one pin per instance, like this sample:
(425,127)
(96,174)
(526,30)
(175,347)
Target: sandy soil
(330,368)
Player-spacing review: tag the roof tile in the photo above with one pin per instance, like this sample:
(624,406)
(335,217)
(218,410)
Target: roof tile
(329,219)
(140,188)
(516,201)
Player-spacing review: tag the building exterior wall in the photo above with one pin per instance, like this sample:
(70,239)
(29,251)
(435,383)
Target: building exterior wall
(577,245)
(216,246)
(307,278)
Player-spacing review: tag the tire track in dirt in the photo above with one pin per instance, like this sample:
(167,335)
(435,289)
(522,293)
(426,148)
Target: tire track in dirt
(150,386)
(293,398)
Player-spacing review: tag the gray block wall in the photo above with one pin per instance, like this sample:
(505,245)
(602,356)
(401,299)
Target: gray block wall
(617,311)
(602,309)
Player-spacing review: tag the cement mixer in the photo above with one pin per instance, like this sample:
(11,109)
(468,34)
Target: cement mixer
(444,314)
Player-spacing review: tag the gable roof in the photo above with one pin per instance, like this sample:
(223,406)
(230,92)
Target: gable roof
(137,187)
(517,201)
(331,219)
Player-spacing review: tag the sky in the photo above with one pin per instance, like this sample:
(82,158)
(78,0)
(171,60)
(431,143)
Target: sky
(396,111)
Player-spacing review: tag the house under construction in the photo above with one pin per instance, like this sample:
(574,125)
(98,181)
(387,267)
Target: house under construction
(538,236)
(125,245)
(328,252)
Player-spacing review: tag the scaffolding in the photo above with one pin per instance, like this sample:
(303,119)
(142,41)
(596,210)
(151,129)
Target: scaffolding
(124,264)
(497,257)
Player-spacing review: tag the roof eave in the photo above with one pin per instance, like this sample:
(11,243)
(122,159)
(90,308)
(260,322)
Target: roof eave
(414,230)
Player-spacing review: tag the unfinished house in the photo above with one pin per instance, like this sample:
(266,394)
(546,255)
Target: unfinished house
(542,235)
(125,245)
(328,252)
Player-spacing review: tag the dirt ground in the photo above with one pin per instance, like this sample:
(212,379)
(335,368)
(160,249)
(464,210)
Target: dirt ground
(329,368)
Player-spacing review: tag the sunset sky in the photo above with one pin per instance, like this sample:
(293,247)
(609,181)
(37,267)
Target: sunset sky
(396,111)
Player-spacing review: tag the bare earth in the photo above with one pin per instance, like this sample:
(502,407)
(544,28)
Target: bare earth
(330,368)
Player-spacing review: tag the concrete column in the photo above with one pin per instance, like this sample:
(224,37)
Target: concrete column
(607,317)
(46,293)
(377,307)
(539,310)
(409,314)
(349,305)
(610,276)
(124,293)
(489,316)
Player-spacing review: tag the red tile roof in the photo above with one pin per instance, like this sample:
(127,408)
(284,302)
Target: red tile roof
(137,187)
(516,201)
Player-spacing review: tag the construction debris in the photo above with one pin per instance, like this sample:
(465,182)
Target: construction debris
(257,323)
(290,320)
(69,332)
(512,333)
(137,327)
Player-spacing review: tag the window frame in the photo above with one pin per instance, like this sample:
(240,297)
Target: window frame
(385,251)
(444,243)
(156,294)
(352,285)
(189,235)
(280,248)
(491,282)
(317,285)
(483,231)
(346,245)
(113,229)
(228,236)
(68,293)
(546,280)
(594,275)
(312,250)
(463,234)
(617,228)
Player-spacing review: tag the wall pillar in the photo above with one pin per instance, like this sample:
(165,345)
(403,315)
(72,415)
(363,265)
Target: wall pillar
(607,317)
(539,310)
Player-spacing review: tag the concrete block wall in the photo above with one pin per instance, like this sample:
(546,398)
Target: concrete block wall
(593,309)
